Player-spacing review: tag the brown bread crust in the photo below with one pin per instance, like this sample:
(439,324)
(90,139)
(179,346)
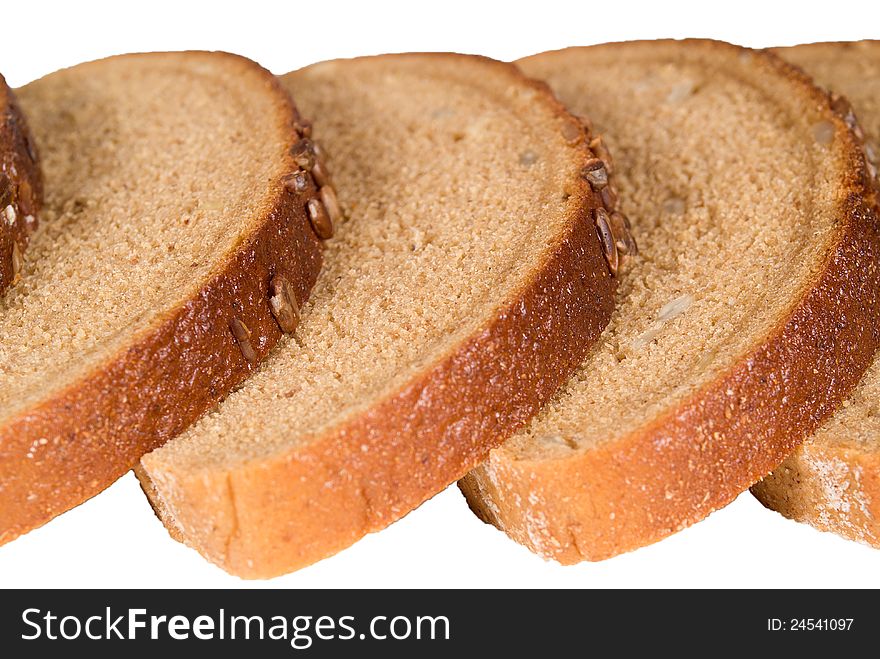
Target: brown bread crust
(159,384)
(637,490)
(274,515)
(21,184)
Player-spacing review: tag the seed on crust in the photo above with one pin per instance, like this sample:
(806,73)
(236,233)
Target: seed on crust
(303,127)
(572,132)
(282,302)
(10,214)
(243,336)
(303,153)
(620,227)
(320,219)
(841,105)
(632,246)
(606,238)
(5,191)
(595,173)
(296,182)
(320,174)
(25,198)
(17,262)
(331,203)
(856,128)
(609,197)
(600,150)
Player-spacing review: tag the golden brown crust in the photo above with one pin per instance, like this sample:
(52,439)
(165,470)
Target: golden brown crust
(159,384)
(701,454)
(21,185)
(275,515)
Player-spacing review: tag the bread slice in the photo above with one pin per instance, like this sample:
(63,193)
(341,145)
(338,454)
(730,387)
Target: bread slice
(833,480)
(146,298)
(21,187)
(466,284)
(752,310)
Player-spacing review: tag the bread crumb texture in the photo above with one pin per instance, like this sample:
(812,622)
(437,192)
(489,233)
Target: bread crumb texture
(111,151)
(730,205)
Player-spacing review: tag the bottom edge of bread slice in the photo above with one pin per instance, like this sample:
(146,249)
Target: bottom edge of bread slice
(832,486)
(465,284)
(752,312)
(832,482)
(146,294)
(21,187)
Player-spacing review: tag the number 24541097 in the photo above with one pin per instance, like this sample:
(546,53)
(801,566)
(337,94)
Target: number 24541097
(809,624)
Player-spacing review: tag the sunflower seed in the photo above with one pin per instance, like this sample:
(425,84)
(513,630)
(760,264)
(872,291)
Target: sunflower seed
(320,219)
(303,127)
(296,182)
(625,242)
(282,302)
(606,239)
(600,150)
(609,197)
(25,198)
(595,173)
(5,191)
(243,337)
(303,153)
(331,203)
(320,174)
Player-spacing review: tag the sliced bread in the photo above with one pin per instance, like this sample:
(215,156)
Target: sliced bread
(752,310)
(21,187)
(466,284)
(833,480)
(147,297)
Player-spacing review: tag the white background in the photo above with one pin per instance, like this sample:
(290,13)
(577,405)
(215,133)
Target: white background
(115,541)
